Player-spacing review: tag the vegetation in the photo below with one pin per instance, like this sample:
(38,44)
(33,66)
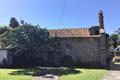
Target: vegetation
(13,23)
(23,40)
(114,39)
(85,74)
(63,73)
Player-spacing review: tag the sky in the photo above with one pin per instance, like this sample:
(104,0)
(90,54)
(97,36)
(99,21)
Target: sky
(47,13)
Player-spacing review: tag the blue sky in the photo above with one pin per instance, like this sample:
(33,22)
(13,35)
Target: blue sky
(77,14)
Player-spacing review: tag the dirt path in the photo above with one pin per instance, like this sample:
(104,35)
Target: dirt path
(47,77)
(112,75)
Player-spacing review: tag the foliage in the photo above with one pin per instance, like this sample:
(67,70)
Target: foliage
(3,29)
(95,30)
(42,71)
(64,73)
(13,22)
(24,40)
(114,40)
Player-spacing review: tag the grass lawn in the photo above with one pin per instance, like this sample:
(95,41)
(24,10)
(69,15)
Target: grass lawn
(117,63)
(64,73)
(86,74)
(5,74)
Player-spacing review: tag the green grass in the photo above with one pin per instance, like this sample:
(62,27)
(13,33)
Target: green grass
(64,73)
(5,74)
(85,74)
(117,62)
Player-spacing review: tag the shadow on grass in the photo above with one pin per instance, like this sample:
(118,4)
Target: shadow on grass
(41,71)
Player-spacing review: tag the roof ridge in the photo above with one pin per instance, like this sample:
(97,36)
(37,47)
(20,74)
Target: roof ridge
(68,29)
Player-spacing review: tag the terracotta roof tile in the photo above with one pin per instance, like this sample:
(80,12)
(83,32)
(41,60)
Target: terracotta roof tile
(78,32)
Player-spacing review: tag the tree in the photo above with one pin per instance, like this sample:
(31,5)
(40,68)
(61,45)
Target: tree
(25,41)
(3,29)
(114,40)
(22,22)
(13,22)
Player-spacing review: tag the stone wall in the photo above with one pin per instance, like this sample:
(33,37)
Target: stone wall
(103,49)
(84,51)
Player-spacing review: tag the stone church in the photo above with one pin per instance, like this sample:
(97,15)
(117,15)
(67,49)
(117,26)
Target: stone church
(79,46)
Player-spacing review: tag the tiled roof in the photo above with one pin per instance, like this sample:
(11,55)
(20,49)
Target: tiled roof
(78,32)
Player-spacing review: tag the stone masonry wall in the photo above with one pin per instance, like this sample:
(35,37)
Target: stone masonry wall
(103,50)
(83,51)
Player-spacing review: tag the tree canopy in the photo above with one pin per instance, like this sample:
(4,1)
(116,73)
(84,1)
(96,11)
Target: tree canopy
(13,22)
(24,40)
(114,39)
